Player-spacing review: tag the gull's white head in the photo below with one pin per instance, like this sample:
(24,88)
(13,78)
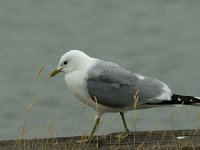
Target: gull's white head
(71,61)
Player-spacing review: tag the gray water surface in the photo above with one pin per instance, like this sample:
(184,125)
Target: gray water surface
(155,38)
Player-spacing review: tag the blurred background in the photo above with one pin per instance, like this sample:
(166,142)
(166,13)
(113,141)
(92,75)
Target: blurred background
(157,38)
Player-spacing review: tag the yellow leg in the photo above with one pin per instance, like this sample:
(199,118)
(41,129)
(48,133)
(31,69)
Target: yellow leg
(126,134)
(92,133)
(124,122)
(94,128)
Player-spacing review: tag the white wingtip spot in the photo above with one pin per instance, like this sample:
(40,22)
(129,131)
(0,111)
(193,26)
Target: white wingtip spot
(181,137)
(179,99)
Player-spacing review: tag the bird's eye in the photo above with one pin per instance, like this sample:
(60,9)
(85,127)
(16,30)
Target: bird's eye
(65,62)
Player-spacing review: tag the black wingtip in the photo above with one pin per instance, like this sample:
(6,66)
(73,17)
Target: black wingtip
(178,100)
(186,100)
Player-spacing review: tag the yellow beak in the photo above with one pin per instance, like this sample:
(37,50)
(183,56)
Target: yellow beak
(55,72)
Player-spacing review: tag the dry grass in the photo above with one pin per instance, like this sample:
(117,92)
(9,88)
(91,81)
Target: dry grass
(135,140)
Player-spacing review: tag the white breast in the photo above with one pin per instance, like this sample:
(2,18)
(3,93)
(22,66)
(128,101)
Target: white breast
(77,84)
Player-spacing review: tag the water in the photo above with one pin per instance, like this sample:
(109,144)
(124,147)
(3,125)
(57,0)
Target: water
(155,38)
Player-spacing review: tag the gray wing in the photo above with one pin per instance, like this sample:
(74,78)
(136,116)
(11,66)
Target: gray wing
(115,87)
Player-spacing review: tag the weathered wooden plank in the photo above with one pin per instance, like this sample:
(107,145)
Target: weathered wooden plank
(180,139)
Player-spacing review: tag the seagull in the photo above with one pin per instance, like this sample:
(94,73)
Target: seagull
(109,88)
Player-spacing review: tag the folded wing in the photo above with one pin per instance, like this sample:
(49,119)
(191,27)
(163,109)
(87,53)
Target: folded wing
(114,86)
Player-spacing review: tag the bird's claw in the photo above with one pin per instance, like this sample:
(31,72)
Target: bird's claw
(122,136)
(85,141)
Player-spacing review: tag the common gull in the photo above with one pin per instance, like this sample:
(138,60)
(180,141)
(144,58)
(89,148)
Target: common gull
(108,87)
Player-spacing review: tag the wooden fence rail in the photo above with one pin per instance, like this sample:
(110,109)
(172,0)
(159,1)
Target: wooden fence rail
(173,139)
